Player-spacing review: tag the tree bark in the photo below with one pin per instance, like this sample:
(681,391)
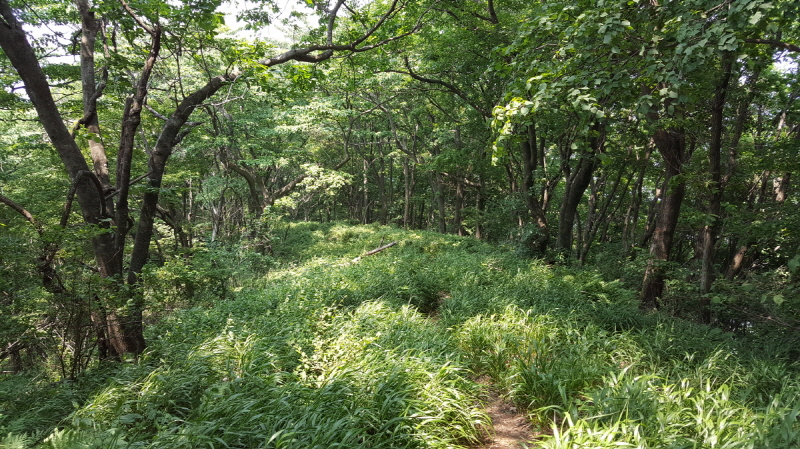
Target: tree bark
(407,187)
(711,229)
(539,242)
(90,27)
(458,206)
(597,216)
(671,143)
(576,186)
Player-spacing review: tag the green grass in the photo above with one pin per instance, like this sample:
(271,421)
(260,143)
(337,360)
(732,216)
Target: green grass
(387,352)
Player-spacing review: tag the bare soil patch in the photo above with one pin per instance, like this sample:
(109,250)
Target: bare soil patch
(512,429)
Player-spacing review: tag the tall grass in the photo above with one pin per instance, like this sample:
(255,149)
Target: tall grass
(395,350)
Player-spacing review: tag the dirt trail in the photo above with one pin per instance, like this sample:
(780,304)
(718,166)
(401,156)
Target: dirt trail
(511,428)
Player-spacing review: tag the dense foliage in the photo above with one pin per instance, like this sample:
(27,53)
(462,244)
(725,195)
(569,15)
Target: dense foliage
(398,349)
(611,184)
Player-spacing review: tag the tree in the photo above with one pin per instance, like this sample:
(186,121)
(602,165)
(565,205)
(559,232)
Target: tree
(171,28)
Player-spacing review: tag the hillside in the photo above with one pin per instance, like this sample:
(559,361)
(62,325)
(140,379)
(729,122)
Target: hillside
(404,348)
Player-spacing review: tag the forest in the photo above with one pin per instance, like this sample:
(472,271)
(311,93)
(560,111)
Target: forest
(356,223)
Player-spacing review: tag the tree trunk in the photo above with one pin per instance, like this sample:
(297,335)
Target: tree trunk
(440,202)
(577,183)
(407,188)
(480,205)
(632,215)
(365,192)
(90,26)
(781,186)
(599,217)
(539,242)
(380,180)
(458,205)
(671,143)
(169,137)
(711,229)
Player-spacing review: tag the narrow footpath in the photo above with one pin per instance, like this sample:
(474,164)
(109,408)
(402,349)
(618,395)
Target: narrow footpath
(511,428)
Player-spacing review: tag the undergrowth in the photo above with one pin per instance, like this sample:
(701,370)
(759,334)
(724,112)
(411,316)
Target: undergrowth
(388,351)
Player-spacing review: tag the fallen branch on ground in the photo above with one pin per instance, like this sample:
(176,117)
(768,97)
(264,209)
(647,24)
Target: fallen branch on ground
(374,251)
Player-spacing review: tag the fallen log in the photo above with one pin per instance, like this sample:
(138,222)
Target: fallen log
(374,251)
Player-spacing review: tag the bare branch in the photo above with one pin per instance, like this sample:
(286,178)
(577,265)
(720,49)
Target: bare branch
(155,113)
(137,179)
(21,210)
(188,126)
(374,251)
(93,102)
(163,117)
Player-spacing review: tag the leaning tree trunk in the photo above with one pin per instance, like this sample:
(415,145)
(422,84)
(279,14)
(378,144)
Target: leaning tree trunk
(86,186)
(671,144)
(576,187)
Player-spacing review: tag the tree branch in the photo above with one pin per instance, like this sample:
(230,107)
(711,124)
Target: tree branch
(164,118)
(327,50)
(137,179)
(374,251)
(71,195)
(776,44)
(452,88)
(21,210)
(92,102)
(139,21)
(492,14)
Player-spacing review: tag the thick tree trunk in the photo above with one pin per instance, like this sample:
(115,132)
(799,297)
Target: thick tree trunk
(90,26)
(576,186)
(782,187)
(169,137)
(671,143)
(737,261)
(573,194)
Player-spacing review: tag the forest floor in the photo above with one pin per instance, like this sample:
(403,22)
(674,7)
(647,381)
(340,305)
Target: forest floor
(416,346)
(512,429)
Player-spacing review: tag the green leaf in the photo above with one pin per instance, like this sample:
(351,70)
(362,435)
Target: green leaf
(793,264)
